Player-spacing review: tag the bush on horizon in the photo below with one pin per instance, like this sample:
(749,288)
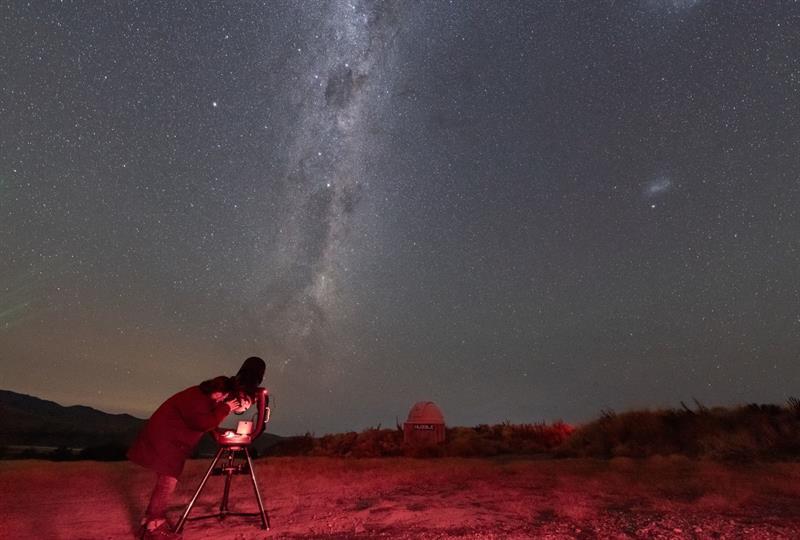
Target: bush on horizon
(744,433)
(478,441)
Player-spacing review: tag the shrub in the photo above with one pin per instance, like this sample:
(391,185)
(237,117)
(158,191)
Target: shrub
(505,438)
(301,445)
(479,441)
(740,434)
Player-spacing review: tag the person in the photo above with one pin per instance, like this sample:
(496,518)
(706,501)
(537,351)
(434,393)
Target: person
(172,432)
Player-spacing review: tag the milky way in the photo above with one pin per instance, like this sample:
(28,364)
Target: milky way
(348,48)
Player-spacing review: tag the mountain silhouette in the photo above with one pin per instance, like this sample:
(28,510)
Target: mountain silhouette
(31,421)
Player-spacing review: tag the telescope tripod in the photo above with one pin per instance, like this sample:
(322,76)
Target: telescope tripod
(228,468)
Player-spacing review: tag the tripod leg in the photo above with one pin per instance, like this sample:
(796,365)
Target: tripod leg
(182,521)
(223,506)
(264,516)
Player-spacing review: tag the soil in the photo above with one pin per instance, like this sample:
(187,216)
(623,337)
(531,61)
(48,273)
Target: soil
(399,498)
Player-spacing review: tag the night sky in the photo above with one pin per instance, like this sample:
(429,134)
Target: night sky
(523,211)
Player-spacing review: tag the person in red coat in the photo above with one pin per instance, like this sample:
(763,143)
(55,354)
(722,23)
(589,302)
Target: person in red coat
(171,434)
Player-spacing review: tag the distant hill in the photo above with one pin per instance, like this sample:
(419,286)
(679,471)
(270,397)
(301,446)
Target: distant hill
(31,421)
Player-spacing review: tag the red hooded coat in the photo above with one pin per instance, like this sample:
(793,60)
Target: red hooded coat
(171,434)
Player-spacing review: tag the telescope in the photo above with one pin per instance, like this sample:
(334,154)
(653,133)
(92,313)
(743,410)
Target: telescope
(235,445)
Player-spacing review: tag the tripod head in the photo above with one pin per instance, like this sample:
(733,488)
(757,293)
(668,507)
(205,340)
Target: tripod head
(245,437)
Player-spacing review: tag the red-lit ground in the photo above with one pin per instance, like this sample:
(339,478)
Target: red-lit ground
(407,498)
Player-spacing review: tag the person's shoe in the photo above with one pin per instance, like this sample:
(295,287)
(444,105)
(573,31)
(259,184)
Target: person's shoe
(162,532)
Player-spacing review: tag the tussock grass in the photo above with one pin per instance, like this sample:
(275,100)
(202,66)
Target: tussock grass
(478,441)
(745,433)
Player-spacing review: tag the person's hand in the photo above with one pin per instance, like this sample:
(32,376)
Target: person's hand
(232,404)
(245,403)
(239,405)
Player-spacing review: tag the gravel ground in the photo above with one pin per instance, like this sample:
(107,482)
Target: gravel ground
(659,498)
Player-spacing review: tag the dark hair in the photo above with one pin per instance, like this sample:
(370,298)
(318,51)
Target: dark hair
(221,384)
(250,376)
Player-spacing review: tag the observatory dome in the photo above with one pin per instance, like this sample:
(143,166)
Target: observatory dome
(425,412)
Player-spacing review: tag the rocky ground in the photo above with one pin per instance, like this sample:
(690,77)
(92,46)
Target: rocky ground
(660,498)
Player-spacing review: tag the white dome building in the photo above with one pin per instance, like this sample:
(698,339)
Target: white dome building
(425,424)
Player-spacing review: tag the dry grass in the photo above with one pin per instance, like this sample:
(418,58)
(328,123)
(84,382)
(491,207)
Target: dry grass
(740,434)
(479,441)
